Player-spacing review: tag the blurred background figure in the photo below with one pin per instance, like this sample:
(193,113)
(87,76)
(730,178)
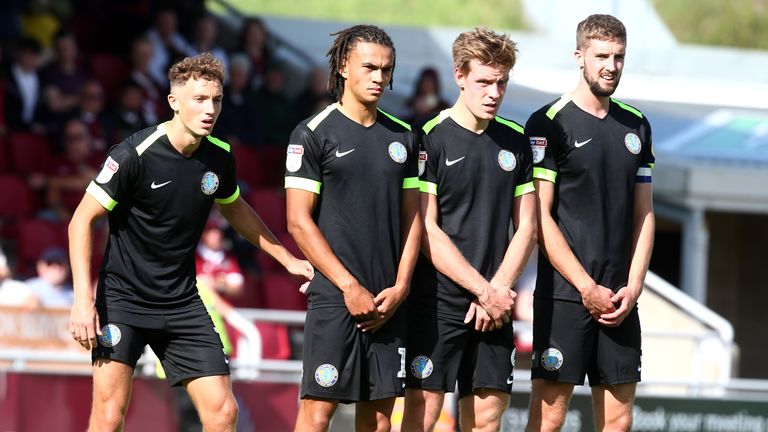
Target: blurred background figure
(51,286)
(62,79)
(217,267)
(23,92)
(315,96)
(91,110)
(14,292)
(254,43)
(523,311)
(239,121)
(425,101)
(206,31)
(169,45)
(276,109)
(128,116)
(155,105)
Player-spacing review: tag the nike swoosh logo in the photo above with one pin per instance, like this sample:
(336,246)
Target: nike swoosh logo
(342,154)
(156,186)
(510,380)
(451,162)
(579,144)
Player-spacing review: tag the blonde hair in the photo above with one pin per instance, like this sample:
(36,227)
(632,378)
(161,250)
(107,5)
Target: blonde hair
(485,46)
(202,66)
(600,27)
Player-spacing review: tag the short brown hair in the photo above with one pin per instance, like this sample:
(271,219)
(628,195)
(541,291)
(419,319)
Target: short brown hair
(600,27)
(202,66)
(485,46)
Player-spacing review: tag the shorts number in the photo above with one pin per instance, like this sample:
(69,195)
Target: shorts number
(401,374)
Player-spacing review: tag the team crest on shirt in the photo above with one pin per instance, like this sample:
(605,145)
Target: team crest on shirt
(552,359)
(107,171)
(326,375)
(538,147)
(397,152)
(209,183)
(294,157)
(110,335)
(422,162)
(632,141)
(507,160)
(422,367)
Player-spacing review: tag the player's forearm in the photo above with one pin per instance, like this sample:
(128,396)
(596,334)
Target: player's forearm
(80,252)
(645,227)
(411,235)
(319,253)
(517,254)
(558,251)
(448,260)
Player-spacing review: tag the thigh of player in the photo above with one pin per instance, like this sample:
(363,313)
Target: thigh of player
(488,361)
(564,340)
(435,348)
(618,357)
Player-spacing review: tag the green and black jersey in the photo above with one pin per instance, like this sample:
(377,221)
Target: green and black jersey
(359,173)
(595,164)
(475,178)
(158,202)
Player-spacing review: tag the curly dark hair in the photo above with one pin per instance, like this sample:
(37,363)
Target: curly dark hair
(202,66)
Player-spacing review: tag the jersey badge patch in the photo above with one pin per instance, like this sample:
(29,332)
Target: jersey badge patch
(107,171)
(326,375)
(397,152)
(293,157)
(632,141)
(110,335)
(209,183)
(422,367)
(552,359)
(538,147)
(422,162)
(507,160)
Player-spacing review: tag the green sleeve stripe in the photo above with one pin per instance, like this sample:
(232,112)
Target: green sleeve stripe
(631,109)
(302,183)
(428,187)
(321,116)
(230,199)
(411,183)
(101,196)
(148,141)
(219,143)
(395,119)
(544,174)
(511,124)
(651,165)
(554,109)
(524,189)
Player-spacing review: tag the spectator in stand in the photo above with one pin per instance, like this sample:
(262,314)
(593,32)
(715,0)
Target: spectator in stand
(315,97)
(240,120)
(217,268)
(91,111)
(169,45)
(254,43)
(22,99)
(71,172)
(51,286)
(127,116)
(277,114)
(155,107)
(14,292)
(62,79)
(42,19)
(206,30)
(426,101)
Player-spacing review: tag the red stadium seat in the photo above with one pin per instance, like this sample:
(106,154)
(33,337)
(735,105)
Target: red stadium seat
(109,69)
(281,291)
(30,153)
(248,165)
(269,203)
(34,236)
(267,264)
(15,198)
(275,342)
(5,155)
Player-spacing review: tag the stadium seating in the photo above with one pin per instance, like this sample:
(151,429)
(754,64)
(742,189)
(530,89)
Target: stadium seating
(33,237)
(281,291)
(275,343)
(269,203)
(109,69)
(249,168)
(30,153)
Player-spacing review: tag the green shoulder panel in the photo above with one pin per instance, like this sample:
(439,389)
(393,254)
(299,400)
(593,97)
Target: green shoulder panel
(557,106)
(219,143)
(395,119)
(428,126)
(629,108)
(511,124)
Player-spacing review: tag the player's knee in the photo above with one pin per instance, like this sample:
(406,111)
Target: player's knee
(223,416)
(545,424)
(107,417)
(622,423)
